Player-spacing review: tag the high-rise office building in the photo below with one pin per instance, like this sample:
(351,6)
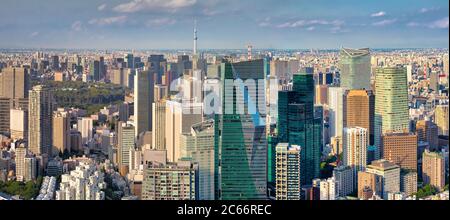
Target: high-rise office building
(125,143)
(287,180)
(240,136)
(391,104)
(5,111)
(388,174)
(328,189)
(355,150)
(401,149)
(179,118)
(157,66)
(19,129)
(40,117)
(428,131)
(129,59)
(61,128)
(143,99)
(433,169)
(199,146)
(345,183)
(21,153)
(355,68)
(159,125)
(300,123)
(368,185)
(94,68)
(441,119)
(358,111)
(408,182)
(85,127)
(170,181)
(336,111)
(14,83)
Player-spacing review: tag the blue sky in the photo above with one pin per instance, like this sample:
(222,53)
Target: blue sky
(280,24)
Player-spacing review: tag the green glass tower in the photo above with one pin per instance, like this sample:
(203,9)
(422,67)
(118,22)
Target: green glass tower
(301,124)
(240,137)
(355,68)
(391,104)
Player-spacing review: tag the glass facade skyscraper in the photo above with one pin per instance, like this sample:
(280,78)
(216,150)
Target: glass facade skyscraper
(391,103)
(240,137)
(355,68)
(299,125)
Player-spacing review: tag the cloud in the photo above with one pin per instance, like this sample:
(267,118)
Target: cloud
(101,7)
(160,22)
(153,5)
(264,24)
(77,26)
(34,34)
(209,12)
(311,28)
(384,22)
(303,23)
(378,14)
(109,20)
(426,10)
(439,24)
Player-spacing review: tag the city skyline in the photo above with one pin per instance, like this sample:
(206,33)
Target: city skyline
(156,24)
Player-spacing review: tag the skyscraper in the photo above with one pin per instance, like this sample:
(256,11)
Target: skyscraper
(143,99)
(355,68)
(159,125)
(14,84)
(61,128)
(336,111)
(240,137)
(355,150)
(328,189)
(40,117)
(433,169)
(401,149)
(358,111)
(125,143)
(85,126)
(345,183)
(391,103)
(5,107)
(19,129)
(288,172)
(299,123)
(199,146)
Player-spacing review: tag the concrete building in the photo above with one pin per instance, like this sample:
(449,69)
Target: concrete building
(336,110)
(355,150)
(328,189)
(433,169)
(388,174)
(19,129)
(401,149)
(170,181)
(355,68)
(85,127)
(143,99)
(14,84)
(159,125)
(61,129)
(125,143)
(428,131)
(368,185)
(344,181)
(287,179)
(40,120)
(408,182)
(358,111)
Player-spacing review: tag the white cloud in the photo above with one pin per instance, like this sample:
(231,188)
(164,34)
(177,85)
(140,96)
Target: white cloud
(34,34)
(153,5)
(426,10)
(77,26)
(440,24)
(109,20)
(264,24)
(384,22)
(378,14)
(160,22)
(209,12)
(101,7)
(311,28)
(303,23)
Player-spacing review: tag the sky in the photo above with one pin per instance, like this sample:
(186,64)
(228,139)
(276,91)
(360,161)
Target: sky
(224,24)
